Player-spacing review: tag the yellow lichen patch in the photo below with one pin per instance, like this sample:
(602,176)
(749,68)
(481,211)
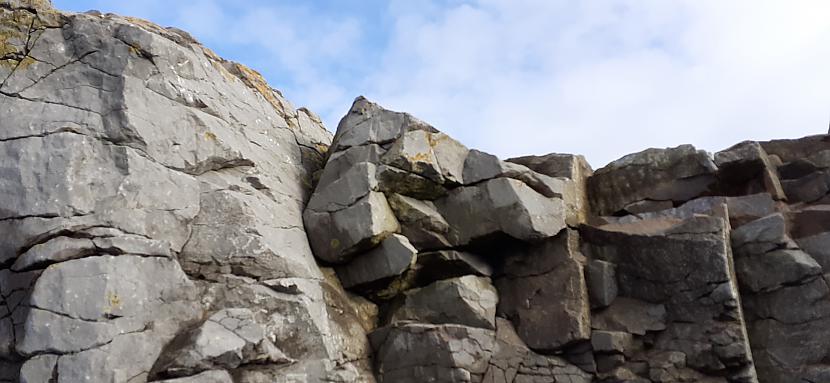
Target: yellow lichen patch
(255,81)
(322,149)
(420,157)
(210,136)
(335,243)
(113,303)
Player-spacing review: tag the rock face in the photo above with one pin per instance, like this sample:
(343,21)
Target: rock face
(166,216)
(151,199)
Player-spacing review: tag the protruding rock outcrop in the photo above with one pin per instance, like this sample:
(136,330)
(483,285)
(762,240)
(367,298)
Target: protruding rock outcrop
(166,216)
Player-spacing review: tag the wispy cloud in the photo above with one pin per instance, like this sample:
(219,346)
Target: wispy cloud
(601,78)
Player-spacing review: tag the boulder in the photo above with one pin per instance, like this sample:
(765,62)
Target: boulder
(420,222)
(468,300)
(338,236)
(601,279)
(543,284)
(391,258)
(630,316)
(229,338)
(446,264)
(676,174)
(368,123)
(775,269)
(413,352)
(746,169)
(500,206)
(413,153)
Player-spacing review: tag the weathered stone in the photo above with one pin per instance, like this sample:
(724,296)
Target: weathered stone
(450,155)
(677,174)
(413,152)
(631,316)
(812,188)
(394,180)
(55,250)
(575,169)
(601,279)
(432,353)
(229,338)
(41,368)
(212,376)
(545,284)
(368,123)
(740,210)
(420,222)
(746,169)
(775,269)
(337,236)
(446,264)
(514,362)
(354,184)
(500,206)
(677,290)
(611,341)
(391,258)
(340,162)
(761,235)
(468,300)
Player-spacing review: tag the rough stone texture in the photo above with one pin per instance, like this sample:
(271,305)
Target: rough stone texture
(677,292)
(468,300)
(545,284)
(162,211)
(677,175)
(141,173)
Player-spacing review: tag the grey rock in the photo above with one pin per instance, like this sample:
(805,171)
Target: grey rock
(450,155)
(746,169)
(811,188)
(413,153)
(770,230)
(514,362)
(818,246)
(394,180)
(676,174)
(337,236)
(432,353)
(391,258)
(41,368)
(631,316)
(229,338)
(212,376)
(468,300)
(546,284)
(343,192)
(340,162)
(611,341)
(420,222)
(775,269)
(57,249)
(446,264)
(501,205)
(601,278)
(368,123)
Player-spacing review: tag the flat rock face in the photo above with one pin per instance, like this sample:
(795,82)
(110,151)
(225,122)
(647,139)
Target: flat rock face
(166,216)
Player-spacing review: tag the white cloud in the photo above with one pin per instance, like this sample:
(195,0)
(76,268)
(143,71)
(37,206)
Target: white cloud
(602,78)
(608,78)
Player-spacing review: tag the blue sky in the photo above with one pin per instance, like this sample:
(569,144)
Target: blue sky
(601,78)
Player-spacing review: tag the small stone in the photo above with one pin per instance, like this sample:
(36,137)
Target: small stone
(391,258)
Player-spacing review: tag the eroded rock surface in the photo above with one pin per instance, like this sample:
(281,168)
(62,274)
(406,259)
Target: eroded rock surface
(166,216)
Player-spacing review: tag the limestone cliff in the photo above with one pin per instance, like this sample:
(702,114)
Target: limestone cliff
(166,216)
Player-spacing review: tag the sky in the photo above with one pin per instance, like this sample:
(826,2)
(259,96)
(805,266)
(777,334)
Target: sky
(513,77)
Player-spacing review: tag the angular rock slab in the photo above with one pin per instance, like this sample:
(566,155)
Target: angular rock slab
(338,236)
(676,174)
(391,258)
(500,206)
(545,284)
(468,300)
(676,283)
(415,353)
